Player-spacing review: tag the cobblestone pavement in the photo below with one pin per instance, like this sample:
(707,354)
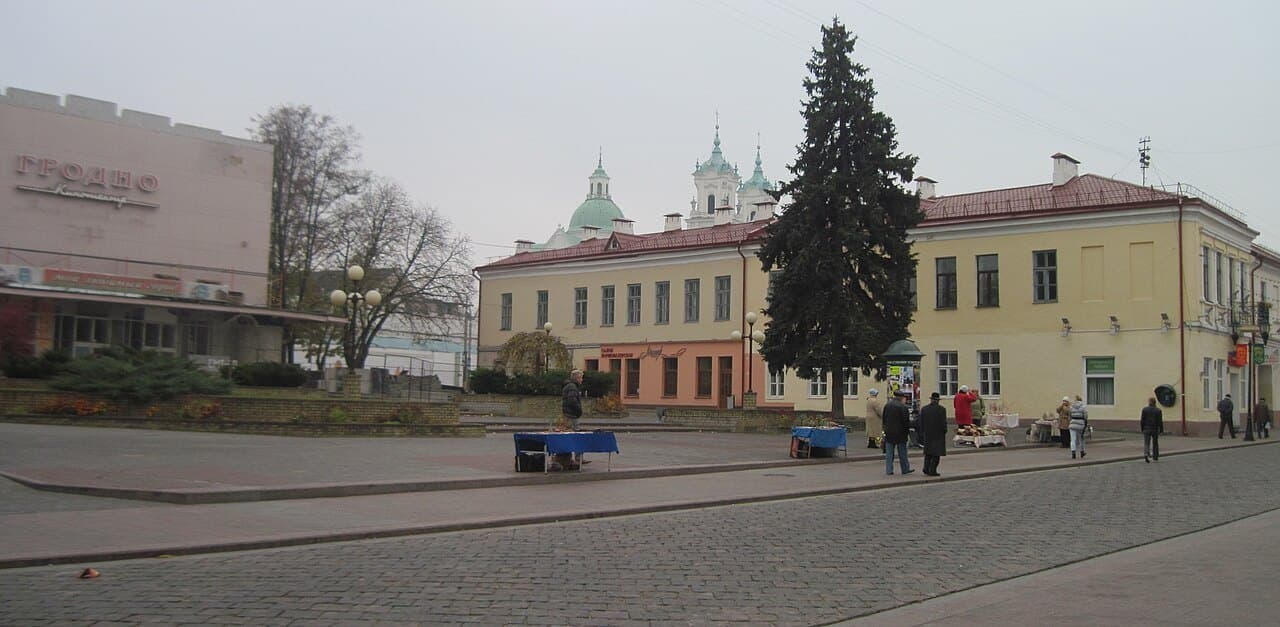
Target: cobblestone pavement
(799,562)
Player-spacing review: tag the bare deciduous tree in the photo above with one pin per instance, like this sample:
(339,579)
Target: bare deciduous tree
(410,255)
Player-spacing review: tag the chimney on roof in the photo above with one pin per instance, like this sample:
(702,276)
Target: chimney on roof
(724,215)
(623,225)
(589,232)
(1064,169)
(764,209)
(926,187)
(524,246)
(673,222)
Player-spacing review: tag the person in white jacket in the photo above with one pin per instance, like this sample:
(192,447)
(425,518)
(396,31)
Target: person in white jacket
(1079,421)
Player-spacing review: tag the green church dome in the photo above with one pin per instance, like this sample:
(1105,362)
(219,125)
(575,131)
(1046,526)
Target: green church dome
(596,211)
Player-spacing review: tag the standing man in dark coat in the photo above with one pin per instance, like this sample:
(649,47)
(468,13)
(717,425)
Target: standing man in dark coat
(1152,424)
(933,429)
(1262,418)
(897,425)
(1225,409)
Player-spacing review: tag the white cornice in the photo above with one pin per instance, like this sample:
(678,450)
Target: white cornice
(624,262)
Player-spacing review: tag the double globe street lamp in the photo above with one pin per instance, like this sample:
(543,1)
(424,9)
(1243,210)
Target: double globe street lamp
(351,301)
(755,337)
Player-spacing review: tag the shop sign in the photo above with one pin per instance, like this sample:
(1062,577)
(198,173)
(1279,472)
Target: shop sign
(111,282)
(609,353)
(1259,354)
(108,179)
(25,275)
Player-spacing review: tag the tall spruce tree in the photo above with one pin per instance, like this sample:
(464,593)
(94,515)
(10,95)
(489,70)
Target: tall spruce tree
(841,244)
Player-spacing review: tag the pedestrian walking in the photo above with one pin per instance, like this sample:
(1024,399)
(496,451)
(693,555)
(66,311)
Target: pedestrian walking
(1079,422)
(933,429)
(571,399)
(963,403)
(897,425)
(1064,422)
(874,417)
(1225,411)
(1262,418)
(1152,425)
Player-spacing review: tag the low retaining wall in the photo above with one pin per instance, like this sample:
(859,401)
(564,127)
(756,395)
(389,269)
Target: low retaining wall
(260,428)
(747,420)
(547,407)
(239,409)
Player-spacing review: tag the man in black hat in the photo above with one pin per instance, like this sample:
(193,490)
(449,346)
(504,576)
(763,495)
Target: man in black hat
(897,425)
(933,430)
(1225,419)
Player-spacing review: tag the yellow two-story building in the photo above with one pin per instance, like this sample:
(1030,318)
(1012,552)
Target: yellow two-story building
(1084,286)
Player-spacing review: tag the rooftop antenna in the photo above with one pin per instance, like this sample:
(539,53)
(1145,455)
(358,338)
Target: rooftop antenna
(1144,156)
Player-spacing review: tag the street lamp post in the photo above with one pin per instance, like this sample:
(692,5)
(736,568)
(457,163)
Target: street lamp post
(754,337)
(1262,319)
(351,302)
(546,352)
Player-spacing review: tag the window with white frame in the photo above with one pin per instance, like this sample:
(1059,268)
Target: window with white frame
(948,372)
(691,288)
(1231,281)
(1100,380)
(1220,372)
(606,306)
(850,382)
(633,303)
(1044,273)
(723,293)
(1207,290)
(777,384)
(579,306)
(1206,372)
(818,385)
(1219,284)
(662,302)
(505,322)
(989,373)
(543,308)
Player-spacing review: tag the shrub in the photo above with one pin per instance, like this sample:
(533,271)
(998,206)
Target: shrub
(609,404)
(488,381)
(49,364)
(201,409)
(599,384)
(408,414)
(269,374)
(70,406)
(338,414)
(122,374)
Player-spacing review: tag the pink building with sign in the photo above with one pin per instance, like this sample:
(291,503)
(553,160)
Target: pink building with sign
(120,227)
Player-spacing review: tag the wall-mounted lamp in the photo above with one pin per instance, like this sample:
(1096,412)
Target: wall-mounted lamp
(1165,324)
(1115,325)
(1066,327)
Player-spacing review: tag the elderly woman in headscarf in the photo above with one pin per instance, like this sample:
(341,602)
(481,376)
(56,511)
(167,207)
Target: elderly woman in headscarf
(1064,421)
(963,402)
(874,417)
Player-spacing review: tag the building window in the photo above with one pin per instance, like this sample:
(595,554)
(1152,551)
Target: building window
(1100,380)
(988,281)
(633,303)
(1243,282)
(911,290)
(777,384)
(1231,281)
(818,385)
(505,322)
(579,306)
(1044,273)
(662,302)
(197,339)
(543,305)
(989,373)
(723,290)
(1206,374)
(1220,368)
(774,277)
(1206,292)
(850,382)
(633,377)
(945,269)
(691,300)
(1218,282)
(704,377)
(592,365)
(948,373)
(606,306)
(711,204)
(670,376)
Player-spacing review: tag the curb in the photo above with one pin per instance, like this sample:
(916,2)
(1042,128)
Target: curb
(394,532)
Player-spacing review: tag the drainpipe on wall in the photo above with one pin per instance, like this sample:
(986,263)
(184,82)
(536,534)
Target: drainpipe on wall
(1182,323)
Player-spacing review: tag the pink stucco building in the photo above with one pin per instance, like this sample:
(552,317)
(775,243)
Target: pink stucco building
(120,227)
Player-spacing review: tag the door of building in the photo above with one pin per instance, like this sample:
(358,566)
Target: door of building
(726,382)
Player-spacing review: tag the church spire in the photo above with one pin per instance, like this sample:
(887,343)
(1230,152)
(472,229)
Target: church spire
(599,180)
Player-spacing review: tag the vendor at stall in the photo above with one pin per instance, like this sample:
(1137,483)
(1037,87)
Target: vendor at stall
(874,418)
(963,403)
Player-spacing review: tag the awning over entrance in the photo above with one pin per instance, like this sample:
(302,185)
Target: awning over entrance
(100,297)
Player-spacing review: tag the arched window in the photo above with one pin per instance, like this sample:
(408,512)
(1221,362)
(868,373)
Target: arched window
(597,188)
(711,203)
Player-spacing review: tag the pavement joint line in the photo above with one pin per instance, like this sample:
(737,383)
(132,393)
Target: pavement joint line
(1067,563)
(536,519)
(338,490)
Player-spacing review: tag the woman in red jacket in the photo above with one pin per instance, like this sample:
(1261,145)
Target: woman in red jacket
(964,400)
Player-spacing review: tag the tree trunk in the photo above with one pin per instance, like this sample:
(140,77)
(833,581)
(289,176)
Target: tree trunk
(837,394)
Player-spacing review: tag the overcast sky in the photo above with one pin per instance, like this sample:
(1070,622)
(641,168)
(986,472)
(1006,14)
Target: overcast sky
(493,112)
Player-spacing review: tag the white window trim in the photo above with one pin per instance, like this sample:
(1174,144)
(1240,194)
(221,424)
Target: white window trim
(781,384)
(1084,381)
(821,382)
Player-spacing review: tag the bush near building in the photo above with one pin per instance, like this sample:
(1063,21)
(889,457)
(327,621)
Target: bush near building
(122,374)
(269,374)
(550,383)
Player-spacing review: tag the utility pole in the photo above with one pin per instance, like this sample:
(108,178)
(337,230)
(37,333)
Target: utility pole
(1144,156)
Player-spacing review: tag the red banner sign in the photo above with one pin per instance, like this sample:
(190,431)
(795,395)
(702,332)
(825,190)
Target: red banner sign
(112,282)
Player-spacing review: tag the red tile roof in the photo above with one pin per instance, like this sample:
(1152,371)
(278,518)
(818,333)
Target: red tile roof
(1086,192)
(627,244)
